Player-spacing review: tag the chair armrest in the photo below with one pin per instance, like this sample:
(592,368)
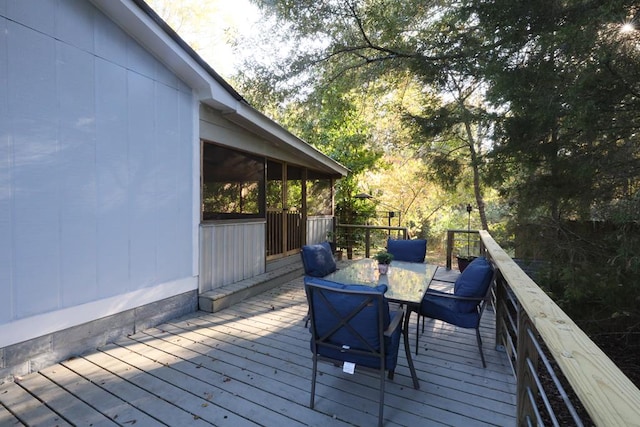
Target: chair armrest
(443,280)
(453,296)
(397,318)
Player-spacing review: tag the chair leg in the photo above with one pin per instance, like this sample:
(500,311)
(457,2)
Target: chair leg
(420,318)
(484,365)
(381,410)
(313,382)
(417,329)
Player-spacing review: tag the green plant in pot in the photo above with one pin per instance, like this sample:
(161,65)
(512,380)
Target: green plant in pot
(384,258)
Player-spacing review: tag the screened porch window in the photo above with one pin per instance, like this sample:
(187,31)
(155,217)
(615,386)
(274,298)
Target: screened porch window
(232,184)
(319,194)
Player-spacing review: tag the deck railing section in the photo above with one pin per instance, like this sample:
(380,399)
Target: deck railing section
(547,349)
(551,358)
(462,242)
(364,239)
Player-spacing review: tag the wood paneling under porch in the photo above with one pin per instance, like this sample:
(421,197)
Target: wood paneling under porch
(250,364)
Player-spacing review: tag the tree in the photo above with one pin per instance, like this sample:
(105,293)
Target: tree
(457,134)
(331,121)
(568,147)
(376,46)
(571,97)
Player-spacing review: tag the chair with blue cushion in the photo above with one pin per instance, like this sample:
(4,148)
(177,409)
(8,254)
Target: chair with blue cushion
(317,261)
(463,307)
(352,323)
(414,250)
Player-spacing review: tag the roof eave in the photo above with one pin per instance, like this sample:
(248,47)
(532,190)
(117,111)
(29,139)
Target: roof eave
(141,22)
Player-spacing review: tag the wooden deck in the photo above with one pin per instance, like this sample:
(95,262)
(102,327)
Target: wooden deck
(250,364)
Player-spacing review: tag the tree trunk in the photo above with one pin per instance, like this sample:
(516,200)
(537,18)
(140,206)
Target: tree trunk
(477,190)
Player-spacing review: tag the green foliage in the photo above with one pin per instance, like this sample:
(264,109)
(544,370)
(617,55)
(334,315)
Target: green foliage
(568,94)
(537,100)
(567,156)
(383,257)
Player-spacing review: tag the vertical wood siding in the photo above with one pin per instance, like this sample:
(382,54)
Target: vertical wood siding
(317,228)
(230,253)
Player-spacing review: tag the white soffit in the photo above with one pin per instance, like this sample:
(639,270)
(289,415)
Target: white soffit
(259,124)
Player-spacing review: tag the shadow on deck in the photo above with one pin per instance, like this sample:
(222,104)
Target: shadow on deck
(250,364)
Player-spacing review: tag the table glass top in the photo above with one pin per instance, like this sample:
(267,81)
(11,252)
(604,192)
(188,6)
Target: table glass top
(406,281)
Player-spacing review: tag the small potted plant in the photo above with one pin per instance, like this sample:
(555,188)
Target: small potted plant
(384,258)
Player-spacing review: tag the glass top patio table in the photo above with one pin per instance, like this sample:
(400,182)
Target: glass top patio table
(407,282)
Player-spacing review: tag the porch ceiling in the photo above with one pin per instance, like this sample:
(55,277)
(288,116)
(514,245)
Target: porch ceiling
(257,123)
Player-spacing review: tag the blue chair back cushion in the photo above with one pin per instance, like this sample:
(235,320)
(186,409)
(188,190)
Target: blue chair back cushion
(365,323)
(473,282)
(407,250)
(318,260)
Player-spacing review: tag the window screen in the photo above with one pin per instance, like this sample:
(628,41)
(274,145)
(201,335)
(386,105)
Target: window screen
(232,184)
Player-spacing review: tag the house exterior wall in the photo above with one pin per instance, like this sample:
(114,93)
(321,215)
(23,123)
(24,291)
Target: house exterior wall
(97,148)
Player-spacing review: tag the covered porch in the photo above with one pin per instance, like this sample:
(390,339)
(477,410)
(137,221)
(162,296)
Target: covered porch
(250,364)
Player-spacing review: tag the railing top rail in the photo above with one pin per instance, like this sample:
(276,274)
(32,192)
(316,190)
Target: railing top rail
(373,227)
(607,394)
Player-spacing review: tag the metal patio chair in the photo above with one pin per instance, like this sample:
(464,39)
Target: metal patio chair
(352,327)
(463,307)
(414,250)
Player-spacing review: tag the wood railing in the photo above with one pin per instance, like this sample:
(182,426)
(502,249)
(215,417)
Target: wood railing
(365,238)
(551,357)
(469,244)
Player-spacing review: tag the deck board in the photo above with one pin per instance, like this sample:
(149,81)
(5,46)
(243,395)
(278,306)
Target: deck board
(75,411)
(250,364)
(7,418)
(26,408)
(97,397)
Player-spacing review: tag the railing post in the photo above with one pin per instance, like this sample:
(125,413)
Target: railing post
(525,350)
(500,307)
(450,234)
(367,243)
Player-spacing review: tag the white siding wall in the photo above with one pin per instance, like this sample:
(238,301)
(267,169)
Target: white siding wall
(317,229)
(230,252)
(96,147)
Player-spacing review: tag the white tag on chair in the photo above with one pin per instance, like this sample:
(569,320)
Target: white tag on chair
(348,367)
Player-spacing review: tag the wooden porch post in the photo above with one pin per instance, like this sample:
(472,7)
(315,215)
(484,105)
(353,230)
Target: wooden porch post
(305,214)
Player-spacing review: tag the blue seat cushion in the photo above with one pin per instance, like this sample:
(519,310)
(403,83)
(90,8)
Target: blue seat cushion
(318,260)
(443,308)
(473,282)
(407,250)
(364,323)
